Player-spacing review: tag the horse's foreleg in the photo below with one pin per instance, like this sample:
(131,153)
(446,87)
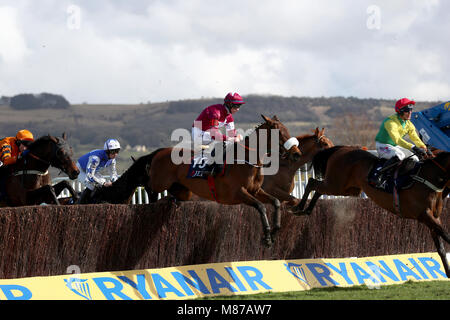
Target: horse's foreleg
(247,198)
(43,194)
(441,251)
(284,196)
(311,186)
(437,233)
(267,198)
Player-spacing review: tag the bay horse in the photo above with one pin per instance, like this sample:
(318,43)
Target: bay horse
(28,181)
(281,184)
(242,182)
(345,170)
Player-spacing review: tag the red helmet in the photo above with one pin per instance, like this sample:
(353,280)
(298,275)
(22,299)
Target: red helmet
(402,103)
(234,98)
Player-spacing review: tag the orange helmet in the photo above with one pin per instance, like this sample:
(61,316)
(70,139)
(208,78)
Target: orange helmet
(24,135)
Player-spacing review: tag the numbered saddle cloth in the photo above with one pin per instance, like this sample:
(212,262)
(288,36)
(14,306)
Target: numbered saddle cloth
(200,167)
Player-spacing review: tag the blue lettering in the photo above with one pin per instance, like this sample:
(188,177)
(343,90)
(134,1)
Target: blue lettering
(163,286)
(108,292)
(433,268)
(321,272)
(257,277)
(404,271)
(8,292)
(386,271)
(342,270)
(185,281)
(217,281)
(140,285)
(418,268)
(361,274)
(235,278)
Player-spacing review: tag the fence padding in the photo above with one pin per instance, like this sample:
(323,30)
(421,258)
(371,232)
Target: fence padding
(45,240)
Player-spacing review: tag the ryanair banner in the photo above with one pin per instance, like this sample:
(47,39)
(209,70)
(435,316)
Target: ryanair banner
(233,278)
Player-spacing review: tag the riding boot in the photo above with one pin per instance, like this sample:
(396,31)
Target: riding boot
(386,170)
(85,196)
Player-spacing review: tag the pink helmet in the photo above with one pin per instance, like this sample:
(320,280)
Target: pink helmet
(234,98)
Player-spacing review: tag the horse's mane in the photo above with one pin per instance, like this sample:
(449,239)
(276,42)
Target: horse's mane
(139,164)
(438,157)
(43,139)
(305,136)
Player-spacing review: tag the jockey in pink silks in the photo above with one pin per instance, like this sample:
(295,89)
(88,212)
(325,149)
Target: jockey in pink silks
(205,129)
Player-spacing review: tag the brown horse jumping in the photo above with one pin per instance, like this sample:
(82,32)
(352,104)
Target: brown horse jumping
(28,181)
(241,183)
(281,184)
(345,170)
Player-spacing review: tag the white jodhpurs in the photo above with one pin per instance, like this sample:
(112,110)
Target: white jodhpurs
(388,151)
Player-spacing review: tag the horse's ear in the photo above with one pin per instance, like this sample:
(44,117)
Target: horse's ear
(275,118)
(316,132)
(267,119)
(322,132)
(132,158)
(64,136)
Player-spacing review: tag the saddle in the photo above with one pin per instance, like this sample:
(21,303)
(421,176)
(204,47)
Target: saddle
(401,177)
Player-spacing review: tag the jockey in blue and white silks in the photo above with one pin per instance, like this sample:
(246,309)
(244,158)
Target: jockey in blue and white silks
(91,163)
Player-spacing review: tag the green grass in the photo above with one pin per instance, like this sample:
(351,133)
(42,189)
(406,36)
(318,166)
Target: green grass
(426,290)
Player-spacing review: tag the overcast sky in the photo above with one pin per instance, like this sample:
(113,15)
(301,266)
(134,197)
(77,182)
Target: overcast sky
(131,51)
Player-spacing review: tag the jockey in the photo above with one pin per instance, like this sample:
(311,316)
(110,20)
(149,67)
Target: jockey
(389,140)
(12,147)
(205,129)
(90,163)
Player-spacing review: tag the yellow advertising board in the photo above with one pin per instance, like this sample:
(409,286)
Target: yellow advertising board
(231,278)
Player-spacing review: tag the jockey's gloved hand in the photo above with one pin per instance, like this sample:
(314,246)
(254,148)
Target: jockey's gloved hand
(419,151)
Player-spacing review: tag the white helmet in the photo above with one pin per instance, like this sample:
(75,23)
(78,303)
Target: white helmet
(111,144)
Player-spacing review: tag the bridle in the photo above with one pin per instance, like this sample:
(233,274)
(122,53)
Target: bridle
(428,183)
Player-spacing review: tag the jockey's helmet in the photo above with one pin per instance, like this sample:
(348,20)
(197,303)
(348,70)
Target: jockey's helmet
(112,145)
(403,105)
(234,98)
(24,137)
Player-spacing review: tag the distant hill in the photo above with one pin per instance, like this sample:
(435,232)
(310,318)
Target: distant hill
(151,125)
(27,101)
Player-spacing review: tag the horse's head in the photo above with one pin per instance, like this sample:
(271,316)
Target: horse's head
(288,145)
(310,144)
(55,152)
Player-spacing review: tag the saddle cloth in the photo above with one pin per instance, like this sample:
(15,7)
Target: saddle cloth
(200,167)
(400,176)
(202,163)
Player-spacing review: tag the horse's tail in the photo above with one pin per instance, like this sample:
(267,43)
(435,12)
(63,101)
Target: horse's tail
(320,160)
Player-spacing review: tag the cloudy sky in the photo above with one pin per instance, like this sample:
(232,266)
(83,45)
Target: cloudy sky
(133,51)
